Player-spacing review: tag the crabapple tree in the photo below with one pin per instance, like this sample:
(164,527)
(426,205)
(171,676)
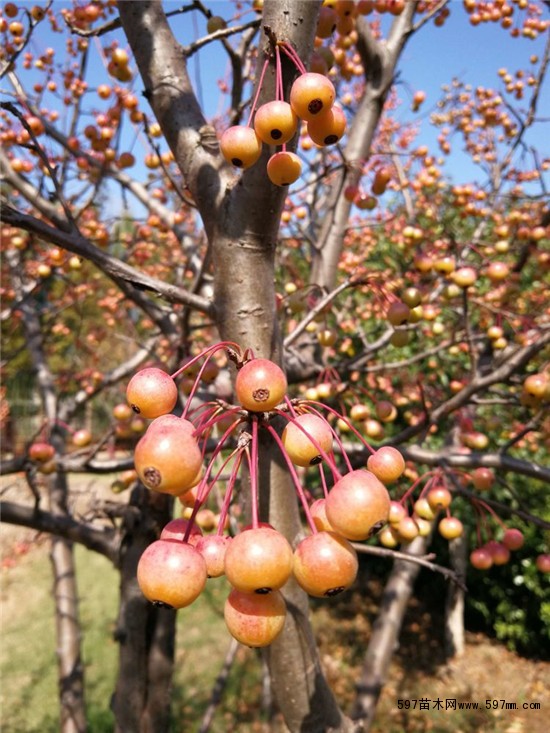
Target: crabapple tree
(298,338)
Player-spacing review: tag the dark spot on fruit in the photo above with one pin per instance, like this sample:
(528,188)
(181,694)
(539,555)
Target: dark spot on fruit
(152,477)
(335,591)
(237,162)
(162,604)
(261,395)
(316,460)
(376,528)
(263,591)
(135,408)
(276,134)
(331,139)
(315,106)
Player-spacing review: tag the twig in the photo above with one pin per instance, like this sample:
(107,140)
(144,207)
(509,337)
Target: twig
(219,687)
(424,560)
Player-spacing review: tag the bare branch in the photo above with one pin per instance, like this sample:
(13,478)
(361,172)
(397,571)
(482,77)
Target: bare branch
(424,561)
(103,540)
(117,270)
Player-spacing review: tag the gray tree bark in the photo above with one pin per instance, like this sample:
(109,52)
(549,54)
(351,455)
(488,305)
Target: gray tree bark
(385,633)
(454,603)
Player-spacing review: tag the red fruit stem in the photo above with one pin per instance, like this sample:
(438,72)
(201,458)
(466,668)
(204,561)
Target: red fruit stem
(229,490)
(63,424)
(196,384)
(491,512)
(218,449)
(433,478)
(323,480)
(258,90)
(290,406)
(208,351)
(337,437)
(252,456)
(203,495)
(348,423)
(293,56)
(295,478)
(219,414)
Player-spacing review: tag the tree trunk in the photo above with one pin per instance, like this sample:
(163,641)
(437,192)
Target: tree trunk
(67,621)
(454,605)
(68,635)
(145,633)
(385,633)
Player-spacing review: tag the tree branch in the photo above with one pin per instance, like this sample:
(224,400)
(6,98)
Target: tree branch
(103,540)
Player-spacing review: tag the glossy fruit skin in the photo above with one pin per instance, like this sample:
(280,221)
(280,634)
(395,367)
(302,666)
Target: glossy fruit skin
(240,146)
(213,548)
(275,122)
(396,513)
(299,446)
(407,529)
(152,393)
(387,464)
(258,560)
(498,551)
(483,478)
(380,181)
(168,458)
(175,530)
(450,528)
(319,516)
(41,452)
(328,128)
(311,94)
(358,505)
(260,385)
(171,573)
(439,497)
(82,438)
(398,313)
(513,539)
(325,564)
(254,620)
(481,559)
(284,168)
(543,563)
(423,509)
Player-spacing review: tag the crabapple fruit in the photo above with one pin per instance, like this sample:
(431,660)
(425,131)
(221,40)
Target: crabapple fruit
(152,393)
(260,385)
(325,564)
(168,457)
(171,573)
(387,464)
(258,560)
(254,620)
(298,437)
(358,505)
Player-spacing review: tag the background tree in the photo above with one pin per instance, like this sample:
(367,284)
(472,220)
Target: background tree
(415,305)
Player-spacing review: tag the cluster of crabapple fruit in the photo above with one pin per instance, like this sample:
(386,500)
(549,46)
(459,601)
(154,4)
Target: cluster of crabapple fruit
(275,123)
(257,559)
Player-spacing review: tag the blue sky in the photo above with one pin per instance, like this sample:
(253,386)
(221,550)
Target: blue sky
(431,58)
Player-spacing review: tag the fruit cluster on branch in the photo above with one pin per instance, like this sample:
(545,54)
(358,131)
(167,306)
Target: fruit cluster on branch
(257,559)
